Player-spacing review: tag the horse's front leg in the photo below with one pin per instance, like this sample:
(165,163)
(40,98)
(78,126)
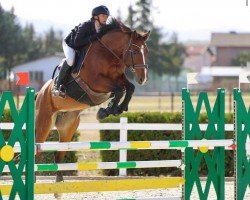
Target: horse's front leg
(112,108)
(130,88)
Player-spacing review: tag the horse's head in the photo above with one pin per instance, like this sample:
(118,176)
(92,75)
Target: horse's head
(135,56)
(130,48)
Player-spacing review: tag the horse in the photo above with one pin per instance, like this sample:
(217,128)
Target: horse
(101,77)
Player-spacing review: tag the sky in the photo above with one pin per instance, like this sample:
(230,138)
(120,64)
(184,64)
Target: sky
(190,19)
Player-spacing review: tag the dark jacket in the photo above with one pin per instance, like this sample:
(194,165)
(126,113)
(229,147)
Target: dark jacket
(81,35)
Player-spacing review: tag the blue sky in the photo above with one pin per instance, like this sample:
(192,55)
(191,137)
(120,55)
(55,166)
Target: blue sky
(191,19)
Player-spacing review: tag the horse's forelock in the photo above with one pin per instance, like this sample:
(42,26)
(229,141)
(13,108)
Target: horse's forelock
(139,35)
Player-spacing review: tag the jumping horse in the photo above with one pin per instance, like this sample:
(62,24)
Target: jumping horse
(101,78)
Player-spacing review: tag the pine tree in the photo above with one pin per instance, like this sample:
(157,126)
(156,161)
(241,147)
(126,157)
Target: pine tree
(52,42)
(10,39)
(32,43)
(119,15)
(130,21)
(143,15)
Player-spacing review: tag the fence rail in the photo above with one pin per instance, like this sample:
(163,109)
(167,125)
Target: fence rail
(123,127)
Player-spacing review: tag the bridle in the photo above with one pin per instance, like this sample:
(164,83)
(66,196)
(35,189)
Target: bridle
(132,52)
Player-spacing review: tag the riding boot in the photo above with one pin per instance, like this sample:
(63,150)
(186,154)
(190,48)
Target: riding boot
(59,87)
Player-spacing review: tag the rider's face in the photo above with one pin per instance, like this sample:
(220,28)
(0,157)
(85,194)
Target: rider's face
(103,18)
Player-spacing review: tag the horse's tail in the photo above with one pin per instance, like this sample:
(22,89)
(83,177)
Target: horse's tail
(54,72)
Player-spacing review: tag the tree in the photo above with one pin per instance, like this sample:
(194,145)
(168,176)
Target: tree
(11,40)
(130,21)
(33,44)
(53,42)
(172,56)
(154,57)
(165,57)
(242,59)
(143,12)
(119,14)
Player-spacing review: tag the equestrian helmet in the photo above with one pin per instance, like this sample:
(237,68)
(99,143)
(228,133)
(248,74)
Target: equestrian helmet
(100,10)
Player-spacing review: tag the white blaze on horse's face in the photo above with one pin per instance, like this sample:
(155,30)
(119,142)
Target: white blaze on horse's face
(135,57)
(146,71)
(140,66)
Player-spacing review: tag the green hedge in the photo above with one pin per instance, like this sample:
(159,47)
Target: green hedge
(47,157)
(137,155)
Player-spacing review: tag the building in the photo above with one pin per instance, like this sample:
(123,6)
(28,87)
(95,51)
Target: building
(223,48)
(40,70)
(197,56)
(227,46)
(221,76)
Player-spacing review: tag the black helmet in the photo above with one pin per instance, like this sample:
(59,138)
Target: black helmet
(100,10)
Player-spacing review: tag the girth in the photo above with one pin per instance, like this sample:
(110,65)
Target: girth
(81,92)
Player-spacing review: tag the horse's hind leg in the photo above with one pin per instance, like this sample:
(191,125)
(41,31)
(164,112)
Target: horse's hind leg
(45,121)
(66,124)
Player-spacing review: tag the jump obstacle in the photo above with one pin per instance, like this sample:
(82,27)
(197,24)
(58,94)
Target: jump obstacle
(22,141)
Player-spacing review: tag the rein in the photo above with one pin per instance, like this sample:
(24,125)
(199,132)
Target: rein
(132,67)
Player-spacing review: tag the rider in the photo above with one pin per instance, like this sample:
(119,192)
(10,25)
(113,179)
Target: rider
(81,36)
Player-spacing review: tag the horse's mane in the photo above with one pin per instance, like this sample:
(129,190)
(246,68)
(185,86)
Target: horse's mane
(115,24)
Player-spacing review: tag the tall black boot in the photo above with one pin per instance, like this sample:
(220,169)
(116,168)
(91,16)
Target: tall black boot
(59,88)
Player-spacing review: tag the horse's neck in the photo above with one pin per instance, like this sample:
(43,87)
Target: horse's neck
(117,41)
(100,61)
(100,72)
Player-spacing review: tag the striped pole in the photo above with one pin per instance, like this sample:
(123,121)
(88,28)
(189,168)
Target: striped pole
(104,165)
(172,144)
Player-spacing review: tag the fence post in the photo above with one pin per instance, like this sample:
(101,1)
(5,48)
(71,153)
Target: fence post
(123,138)
(172,102)
(159,100)
(30,127)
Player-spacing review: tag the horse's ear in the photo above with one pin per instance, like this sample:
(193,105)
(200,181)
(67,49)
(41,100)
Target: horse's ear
(135,34)
(146,36)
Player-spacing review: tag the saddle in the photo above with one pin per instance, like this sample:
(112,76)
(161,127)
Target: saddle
(76,88)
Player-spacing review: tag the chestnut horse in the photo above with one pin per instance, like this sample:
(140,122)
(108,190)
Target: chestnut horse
(102,76)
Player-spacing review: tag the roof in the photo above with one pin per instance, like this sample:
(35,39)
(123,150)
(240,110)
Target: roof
(41,63)
(232,39)
(195,49)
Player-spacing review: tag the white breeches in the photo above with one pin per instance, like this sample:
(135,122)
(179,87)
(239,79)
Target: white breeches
(69,54)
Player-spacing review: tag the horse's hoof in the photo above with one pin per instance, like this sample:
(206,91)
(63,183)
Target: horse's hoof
(125,108)
(101,114)
(59,178)
(58,196)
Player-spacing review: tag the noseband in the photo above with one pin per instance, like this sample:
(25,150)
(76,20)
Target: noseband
(132,52)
